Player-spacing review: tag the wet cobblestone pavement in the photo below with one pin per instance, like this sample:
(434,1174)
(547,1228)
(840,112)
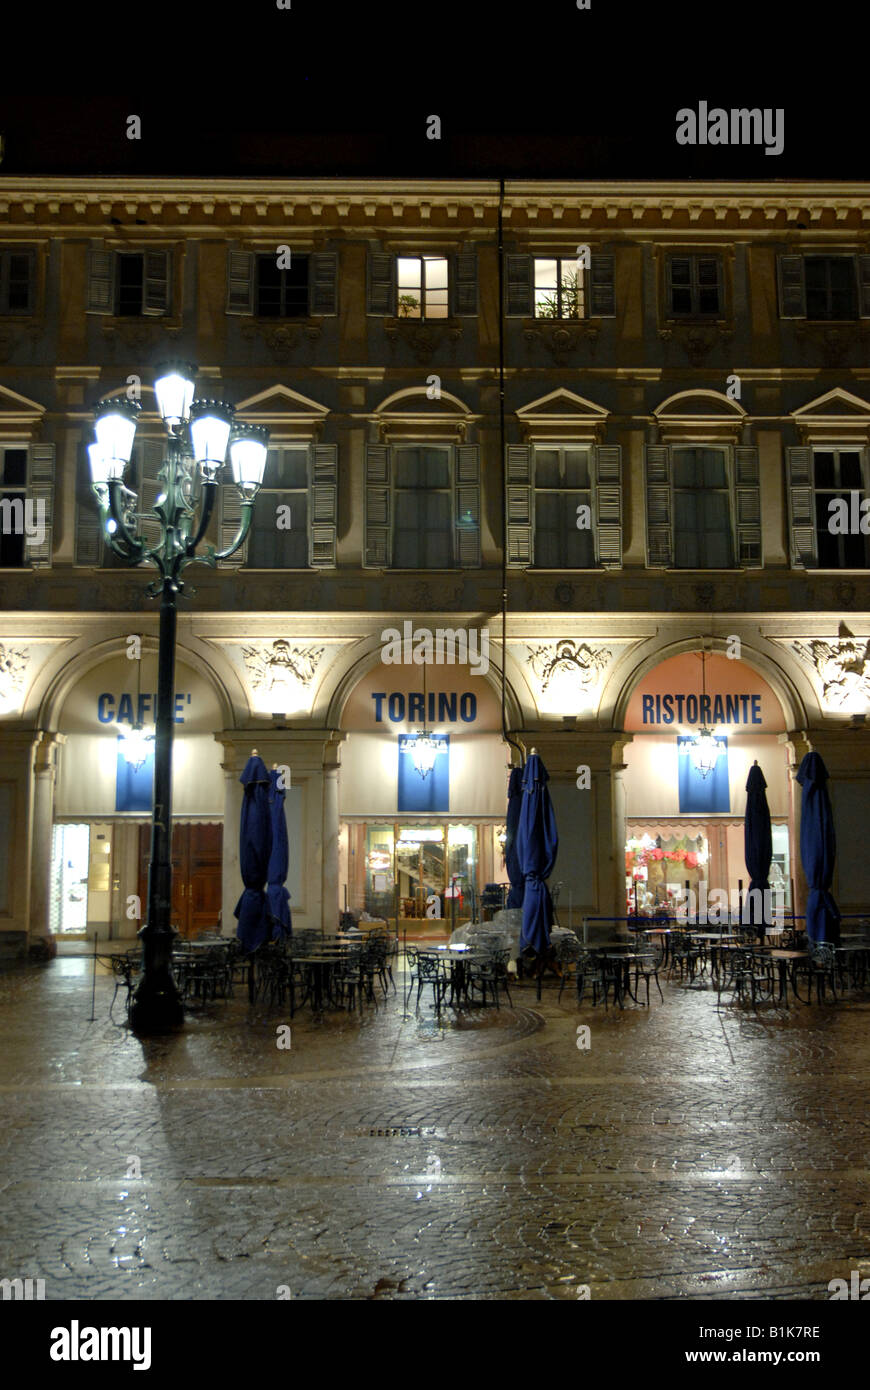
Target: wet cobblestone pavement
(685,1154)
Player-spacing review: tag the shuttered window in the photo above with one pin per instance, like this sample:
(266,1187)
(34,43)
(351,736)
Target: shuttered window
(422,506)
(257,285)
(26,505)
(824,288)
(558,287)
(129,284)
(703,507)
(545,488)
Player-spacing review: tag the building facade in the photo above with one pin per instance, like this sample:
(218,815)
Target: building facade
(686,417)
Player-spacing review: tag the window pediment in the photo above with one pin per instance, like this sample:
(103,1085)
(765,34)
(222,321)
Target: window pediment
(18,414)
(698,417)
(565,415)
(412,414)
(837,416)
(286,413)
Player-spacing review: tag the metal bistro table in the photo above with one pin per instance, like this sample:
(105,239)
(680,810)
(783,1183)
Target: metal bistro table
(321,963)
(457,957)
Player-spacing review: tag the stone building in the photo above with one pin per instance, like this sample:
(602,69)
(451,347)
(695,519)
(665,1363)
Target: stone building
(686,391)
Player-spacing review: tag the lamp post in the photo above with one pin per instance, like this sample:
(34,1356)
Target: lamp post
(199,435)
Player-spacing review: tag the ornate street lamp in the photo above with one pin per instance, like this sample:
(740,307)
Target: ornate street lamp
(199,435)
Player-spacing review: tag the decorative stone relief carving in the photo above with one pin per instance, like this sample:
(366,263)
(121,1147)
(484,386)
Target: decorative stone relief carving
(13,668)
(831,342)
(561,339)
(423,338)
(697,340)
(424,595)
(577,660)
(842,664)
(270,663)
(282,339)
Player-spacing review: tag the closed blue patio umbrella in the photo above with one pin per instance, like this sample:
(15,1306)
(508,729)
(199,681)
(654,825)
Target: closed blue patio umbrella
(818,850)
(278,899)
(511,857)
(537,845)
(757,850)
(254,844)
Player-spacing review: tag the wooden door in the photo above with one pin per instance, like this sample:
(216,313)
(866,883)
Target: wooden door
(197,875)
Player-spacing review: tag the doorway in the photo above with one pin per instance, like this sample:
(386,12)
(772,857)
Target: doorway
(197,866)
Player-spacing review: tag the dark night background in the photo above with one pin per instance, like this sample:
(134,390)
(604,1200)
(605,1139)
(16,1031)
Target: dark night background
(536,90)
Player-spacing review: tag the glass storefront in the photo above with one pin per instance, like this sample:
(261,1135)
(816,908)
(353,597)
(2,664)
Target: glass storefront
(437,870)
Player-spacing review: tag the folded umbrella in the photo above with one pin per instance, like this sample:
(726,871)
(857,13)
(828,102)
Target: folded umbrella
(254,846)
(537,846)
(758,850)
(277,897)
(511,858)
(818,850)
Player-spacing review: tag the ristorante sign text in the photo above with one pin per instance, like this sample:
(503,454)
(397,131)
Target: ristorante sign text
(702,709)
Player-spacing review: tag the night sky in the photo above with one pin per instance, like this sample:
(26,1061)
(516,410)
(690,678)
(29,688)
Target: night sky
(524,91)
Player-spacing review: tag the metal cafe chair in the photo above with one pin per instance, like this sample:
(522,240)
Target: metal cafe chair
(427,970)
(819,968)
(646,968)
(489,972)
(751,974)
(125,968)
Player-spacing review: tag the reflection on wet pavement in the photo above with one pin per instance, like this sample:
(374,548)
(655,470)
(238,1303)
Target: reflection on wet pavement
(684,1154)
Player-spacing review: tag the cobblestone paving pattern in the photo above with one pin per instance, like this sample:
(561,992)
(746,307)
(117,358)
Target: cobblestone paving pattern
(685,1154)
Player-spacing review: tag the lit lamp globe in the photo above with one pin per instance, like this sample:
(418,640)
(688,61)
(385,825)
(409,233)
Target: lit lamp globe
(174,388)
(248,457)
(135,745)
(115,428)
(210,425)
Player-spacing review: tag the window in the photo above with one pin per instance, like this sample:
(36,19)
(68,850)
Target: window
(282,293)
(559,289)
(702,510)
(832,289)
(422,537)
(278,539)
(13,463)
(824,288)
(837,473)
(422,287)
(128,284)
(694,286)
(562,484)
(17,275)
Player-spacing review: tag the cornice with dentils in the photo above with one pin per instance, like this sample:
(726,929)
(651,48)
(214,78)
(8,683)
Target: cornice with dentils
(349,203)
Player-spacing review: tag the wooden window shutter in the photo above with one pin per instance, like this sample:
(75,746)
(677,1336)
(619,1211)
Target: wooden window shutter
(659,528)
(155,283)
(89,544)
(467,493)
(323,509)
(802,507)
(323,283)
(378,518)
(240,282)
(150,460)
(748,507)
(463,284)
(792,288)
(519,301)
(101,282)
(864,287)
(41,491)
(519,505)
(231,519)
(380,284)
(608,504)
(601,301)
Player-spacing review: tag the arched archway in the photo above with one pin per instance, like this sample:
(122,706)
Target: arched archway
(684,808)
(93,798)
(419,843)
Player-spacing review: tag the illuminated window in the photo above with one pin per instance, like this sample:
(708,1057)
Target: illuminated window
(422,287)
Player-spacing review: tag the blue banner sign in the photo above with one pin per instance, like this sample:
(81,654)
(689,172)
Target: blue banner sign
(442,708)
(134,787)
(429,793)
(702,709)
(111,710)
